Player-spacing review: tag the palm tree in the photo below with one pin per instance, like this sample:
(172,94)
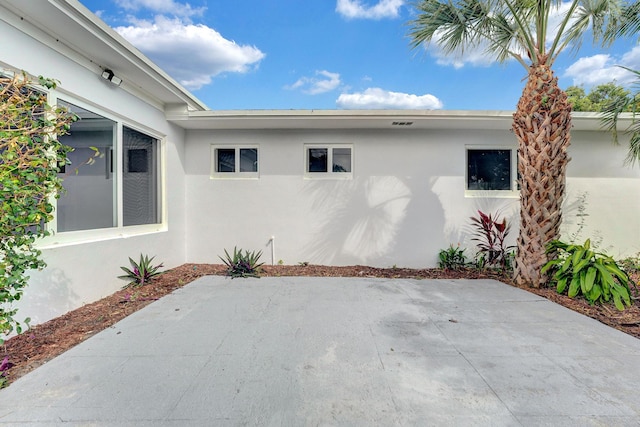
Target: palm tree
(523,30)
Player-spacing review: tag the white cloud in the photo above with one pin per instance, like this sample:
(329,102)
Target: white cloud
(376,98)
(192,54)
(169,7)
(354,9)
(324,81)
(603,68)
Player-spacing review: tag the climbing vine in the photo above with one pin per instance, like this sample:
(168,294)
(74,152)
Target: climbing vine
(30,160)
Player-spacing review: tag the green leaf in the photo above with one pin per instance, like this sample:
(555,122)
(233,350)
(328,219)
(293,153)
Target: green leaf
(574,287)
(562,285)
(566,265)
(590,278)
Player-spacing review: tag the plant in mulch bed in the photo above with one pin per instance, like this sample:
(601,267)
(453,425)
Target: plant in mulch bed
(453,258)
(491,236)
(578,270)
(142,272)
(242,263)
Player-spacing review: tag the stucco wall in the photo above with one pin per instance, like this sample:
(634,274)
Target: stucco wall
(406,200)
(85,268)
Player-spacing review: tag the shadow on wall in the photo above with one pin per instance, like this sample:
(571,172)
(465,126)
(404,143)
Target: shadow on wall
(48,295)
(458,210)
(376,220)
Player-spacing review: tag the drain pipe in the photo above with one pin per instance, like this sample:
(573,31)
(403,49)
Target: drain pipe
(273,250)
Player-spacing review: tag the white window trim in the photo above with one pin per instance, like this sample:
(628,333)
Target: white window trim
(512,193)
(237,174)
(329,174)
(68,238)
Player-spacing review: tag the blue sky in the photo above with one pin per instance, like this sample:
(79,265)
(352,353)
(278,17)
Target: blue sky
(329,54)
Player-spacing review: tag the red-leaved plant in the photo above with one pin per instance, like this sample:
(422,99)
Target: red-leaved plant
(491,235)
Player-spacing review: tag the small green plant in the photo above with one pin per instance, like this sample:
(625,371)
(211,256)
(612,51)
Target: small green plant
(242,263)
(630,264)
(453,258)
(580,271)
(142,271)
(491,236)
(4,367)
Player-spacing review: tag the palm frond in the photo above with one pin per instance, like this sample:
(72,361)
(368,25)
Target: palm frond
(627,23)
(610,119)
(633,155)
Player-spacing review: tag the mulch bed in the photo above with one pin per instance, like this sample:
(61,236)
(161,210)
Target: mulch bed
(44,342)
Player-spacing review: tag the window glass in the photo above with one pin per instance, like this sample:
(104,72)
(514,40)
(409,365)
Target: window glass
(140,181)
(248,160)
(488,169)
(88,201)
(225,160)
(342,159)
(318,159)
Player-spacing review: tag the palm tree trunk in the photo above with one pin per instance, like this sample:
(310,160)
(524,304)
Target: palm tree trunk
(542,124)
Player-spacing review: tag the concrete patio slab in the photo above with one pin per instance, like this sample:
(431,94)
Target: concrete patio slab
(298,351)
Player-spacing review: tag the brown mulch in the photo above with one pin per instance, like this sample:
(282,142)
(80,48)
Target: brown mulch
(43,342)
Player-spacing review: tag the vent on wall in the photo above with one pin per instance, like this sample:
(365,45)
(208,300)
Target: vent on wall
(401,123)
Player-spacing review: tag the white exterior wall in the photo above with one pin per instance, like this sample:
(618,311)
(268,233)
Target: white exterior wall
(611,191)
(406,200)
(85,267)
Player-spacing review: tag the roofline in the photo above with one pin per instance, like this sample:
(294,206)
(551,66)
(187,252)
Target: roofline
(365,119)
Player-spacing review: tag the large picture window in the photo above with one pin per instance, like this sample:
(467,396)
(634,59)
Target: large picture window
(490,169)
(89,199)
(105,153)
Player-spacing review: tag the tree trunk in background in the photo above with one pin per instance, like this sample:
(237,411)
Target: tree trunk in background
(542,124)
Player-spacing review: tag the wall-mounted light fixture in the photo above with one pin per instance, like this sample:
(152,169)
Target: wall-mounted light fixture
(109,76)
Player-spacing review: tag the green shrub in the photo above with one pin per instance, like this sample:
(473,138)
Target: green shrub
(242,263)
(453,258)
(30,158)
(142,271)
(578,270)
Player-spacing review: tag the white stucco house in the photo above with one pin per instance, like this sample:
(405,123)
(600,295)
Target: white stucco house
(182,183)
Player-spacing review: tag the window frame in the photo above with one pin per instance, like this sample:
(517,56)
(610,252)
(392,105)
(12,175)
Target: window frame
(512,192)
(64,238)
(236,174)
(329,174)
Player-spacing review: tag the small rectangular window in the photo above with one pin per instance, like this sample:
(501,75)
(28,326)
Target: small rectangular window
(234,162)
(328,160)
(490,169)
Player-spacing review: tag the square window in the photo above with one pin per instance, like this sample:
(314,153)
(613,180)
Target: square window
(137,161)
(489,169)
